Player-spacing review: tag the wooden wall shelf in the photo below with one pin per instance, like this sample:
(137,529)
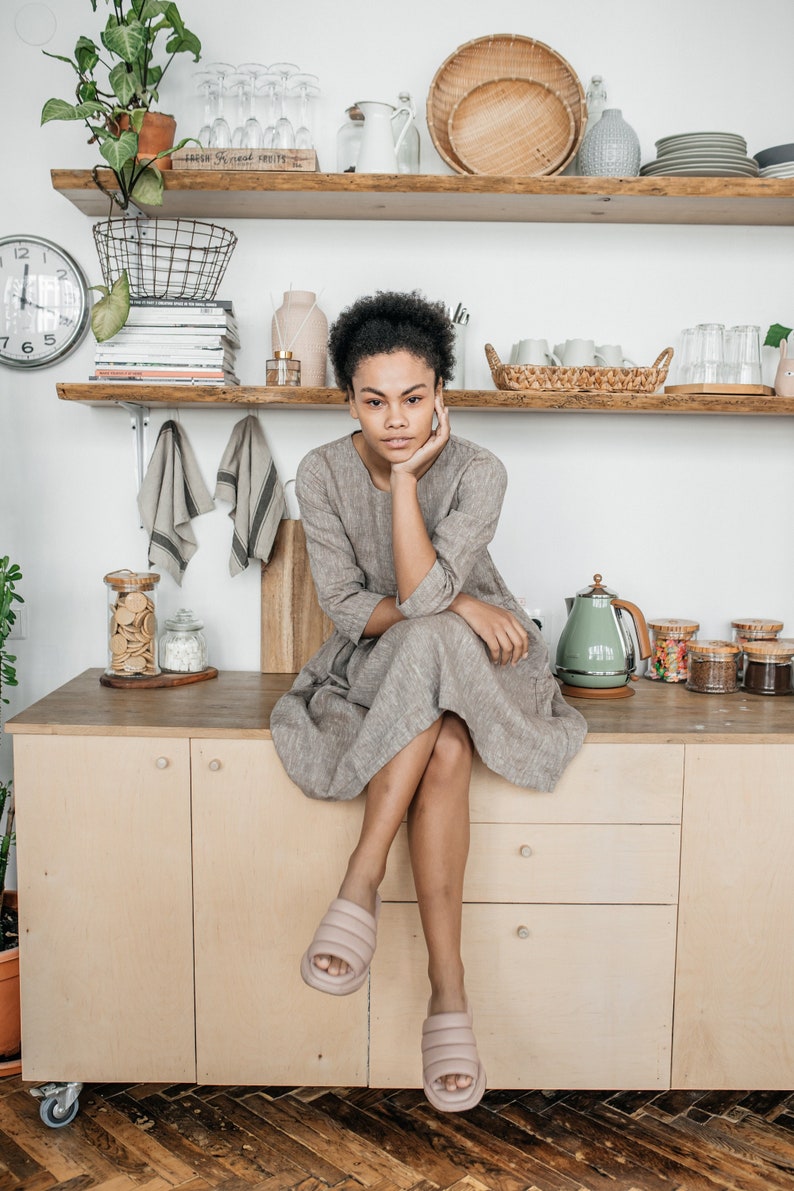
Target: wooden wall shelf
(219,397)
(208,194)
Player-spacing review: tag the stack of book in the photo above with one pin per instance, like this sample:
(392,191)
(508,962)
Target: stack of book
(172,341)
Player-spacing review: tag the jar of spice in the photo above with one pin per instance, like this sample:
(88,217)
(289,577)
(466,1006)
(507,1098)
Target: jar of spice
(132,624)
(669,639)
(183,648)
(767,667)
(712,667)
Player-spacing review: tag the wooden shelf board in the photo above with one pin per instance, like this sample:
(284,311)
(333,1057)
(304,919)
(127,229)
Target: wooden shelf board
(208,194)
(216,396)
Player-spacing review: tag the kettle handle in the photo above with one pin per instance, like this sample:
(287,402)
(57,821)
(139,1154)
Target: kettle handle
(640,627)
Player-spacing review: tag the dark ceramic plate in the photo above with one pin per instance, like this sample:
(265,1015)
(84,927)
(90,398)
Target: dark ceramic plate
(774,155)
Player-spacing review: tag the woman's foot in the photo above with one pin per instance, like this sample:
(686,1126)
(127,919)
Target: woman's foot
(360,892)
(452,1074)
(348,935)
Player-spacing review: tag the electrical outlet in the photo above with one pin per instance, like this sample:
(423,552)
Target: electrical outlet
(19,629)
(541,617)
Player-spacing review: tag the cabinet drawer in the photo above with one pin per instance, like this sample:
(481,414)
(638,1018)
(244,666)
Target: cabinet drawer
(570,862)
(604,783)
(563,996)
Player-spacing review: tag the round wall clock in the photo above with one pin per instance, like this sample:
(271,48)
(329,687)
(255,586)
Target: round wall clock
(44,303)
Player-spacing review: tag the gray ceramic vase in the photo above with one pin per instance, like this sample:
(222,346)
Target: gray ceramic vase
(611,148)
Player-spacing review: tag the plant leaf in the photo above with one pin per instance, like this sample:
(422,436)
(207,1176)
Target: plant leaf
(86,55)
(184,42)
(125,83)
(118,151)
(125,41)
(59,109)
(110,313)
(776,334)
(148,187)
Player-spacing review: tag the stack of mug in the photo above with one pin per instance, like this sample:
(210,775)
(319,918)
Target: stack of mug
(573,353)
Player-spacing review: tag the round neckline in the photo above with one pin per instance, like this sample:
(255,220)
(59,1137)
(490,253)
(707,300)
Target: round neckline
(365,469)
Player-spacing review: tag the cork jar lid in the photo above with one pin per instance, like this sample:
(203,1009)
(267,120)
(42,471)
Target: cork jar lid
(673,627)
(779,650)
(131,580)
(757,625)
(714,649)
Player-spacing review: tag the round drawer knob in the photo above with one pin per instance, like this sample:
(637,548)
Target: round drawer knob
(162,762)
(526,850)
(523,932)
(215,765)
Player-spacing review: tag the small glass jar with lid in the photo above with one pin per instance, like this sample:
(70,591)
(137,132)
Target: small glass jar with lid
(712,667)
(132,624)
(669,640)
(767,667)
(754,628)
(183,649)
(348,140)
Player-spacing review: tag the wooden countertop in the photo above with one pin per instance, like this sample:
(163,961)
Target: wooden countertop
(238,704)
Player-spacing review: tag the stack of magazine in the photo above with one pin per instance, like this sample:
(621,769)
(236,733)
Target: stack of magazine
(172,341)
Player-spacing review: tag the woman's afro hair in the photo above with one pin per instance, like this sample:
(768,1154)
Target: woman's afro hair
(391,322)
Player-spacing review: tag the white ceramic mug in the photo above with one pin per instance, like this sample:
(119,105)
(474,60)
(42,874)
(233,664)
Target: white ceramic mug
(611,355)
(579,353)
(535,351)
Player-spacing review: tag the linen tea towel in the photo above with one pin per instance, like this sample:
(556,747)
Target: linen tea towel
(247,478)
(171,494)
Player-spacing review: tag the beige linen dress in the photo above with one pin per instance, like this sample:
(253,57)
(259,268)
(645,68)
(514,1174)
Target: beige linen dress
(360,700)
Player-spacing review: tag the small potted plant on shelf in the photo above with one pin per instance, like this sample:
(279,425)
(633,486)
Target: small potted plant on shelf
(118,83)
(10,1033)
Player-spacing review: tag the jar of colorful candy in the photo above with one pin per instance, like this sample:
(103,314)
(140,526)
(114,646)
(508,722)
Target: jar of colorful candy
(669,638)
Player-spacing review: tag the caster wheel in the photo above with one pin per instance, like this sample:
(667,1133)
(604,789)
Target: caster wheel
(53,1115)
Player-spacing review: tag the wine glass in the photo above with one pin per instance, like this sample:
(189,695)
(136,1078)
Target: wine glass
(305,86)
(239,84)
(267,85)
(205,85)
(253,133)
(284,133)
(220,132)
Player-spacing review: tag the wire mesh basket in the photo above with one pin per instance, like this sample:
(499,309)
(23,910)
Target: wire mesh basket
(164,258)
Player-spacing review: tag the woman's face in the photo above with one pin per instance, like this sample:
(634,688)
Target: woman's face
(393,400)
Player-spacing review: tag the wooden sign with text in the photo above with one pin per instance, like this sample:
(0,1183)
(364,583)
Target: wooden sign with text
(191,158)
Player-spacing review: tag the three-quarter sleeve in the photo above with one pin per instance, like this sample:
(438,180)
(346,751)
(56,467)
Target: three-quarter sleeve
(460,538)
(339,581)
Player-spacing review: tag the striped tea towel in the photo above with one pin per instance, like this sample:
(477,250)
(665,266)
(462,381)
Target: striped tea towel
(247,479)
(171,494)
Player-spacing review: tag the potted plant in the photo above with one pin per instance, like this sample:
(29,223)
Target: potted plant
(118,83)
(10,1033)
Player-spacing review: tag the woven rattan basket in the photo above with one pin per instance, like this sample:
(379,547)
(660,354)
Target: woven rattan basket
(500,56)
(165,258)
(511,126)
(579,380)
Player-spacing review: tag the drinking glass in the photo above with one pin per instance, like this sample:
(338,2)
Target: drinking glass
(267,84)
(284,133)
(686,355)
(220,132)
(238,85)
(743,355)
(709,364)
(305,86)
(253,133)
(205,85)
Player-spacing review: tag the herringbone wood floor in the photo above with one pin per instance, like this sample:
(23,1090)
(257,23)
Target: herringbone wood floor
(154,1138)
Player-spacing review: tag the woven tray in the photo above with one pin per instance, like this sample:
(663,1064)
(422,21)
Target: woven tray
(582,380)
(512,126)
(499,56)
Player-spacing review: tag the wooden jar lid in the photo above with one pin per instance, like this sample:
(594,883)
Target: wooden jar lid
(779,650)
(131,580)
(673,627)
(714,649)
(757,625)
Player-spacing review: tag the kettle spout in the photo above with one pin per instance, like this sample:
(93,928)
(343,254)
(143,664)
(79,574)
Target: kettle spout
(568,604)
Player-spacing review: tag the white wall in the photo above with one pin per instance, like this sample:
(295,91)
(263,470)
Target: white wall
(685,516)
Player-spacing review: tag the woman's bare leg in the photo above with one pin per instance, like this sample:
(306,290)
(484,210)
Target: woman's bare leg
(389,795)
(438,837)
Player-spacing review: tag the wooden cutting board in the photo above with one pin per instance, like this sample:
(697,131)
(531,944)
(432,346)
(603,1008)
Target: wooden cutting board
(721,390)
(293,624)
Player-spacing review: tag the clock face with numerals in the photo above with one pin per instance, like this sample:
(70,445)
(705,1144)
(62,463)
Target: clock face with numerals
(44,305)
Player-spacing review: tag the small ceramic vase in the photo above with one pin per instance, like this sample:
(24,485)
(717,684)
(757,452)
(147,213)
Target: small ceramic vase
(611,148)
(784,379)
(303,331)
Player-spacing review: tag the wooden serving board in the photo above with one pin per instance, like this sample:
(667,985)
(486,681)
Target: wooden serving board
(293,624)
(722,390)
(157,680)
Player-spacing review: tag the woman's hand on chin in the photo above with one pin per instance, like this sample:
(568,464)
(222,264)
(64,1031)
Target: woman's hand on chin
(424,458)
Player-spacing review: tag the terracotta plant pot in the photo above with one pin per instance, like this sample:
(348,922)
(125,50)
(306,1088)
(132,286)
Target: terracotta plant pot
(10,1029)
(158,132)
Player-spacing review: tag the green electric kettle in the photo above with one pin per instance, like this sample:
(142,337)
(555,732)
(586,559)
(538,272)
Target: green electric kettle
(595,651)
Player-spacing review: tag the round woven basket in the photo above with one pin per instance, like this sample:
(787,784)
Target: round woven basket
(164,258)
(578,379)
(511,126)
(499,56)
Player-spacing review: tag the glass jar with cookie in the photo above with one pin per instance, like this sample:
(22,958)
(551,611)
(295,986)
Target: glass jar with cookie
(132,624)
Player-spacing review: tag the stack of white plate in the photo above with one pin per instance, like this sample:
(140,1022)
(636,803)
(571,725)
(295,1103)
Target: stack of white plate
(702,154)
(785,169)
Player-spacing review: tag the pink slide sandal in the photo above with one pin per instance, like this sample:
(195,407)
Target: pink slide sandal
(449,1048)
(349,932)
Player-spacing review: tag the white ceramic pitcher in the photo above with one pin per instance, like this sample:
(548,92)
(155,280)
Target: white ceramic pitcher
(378,153)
